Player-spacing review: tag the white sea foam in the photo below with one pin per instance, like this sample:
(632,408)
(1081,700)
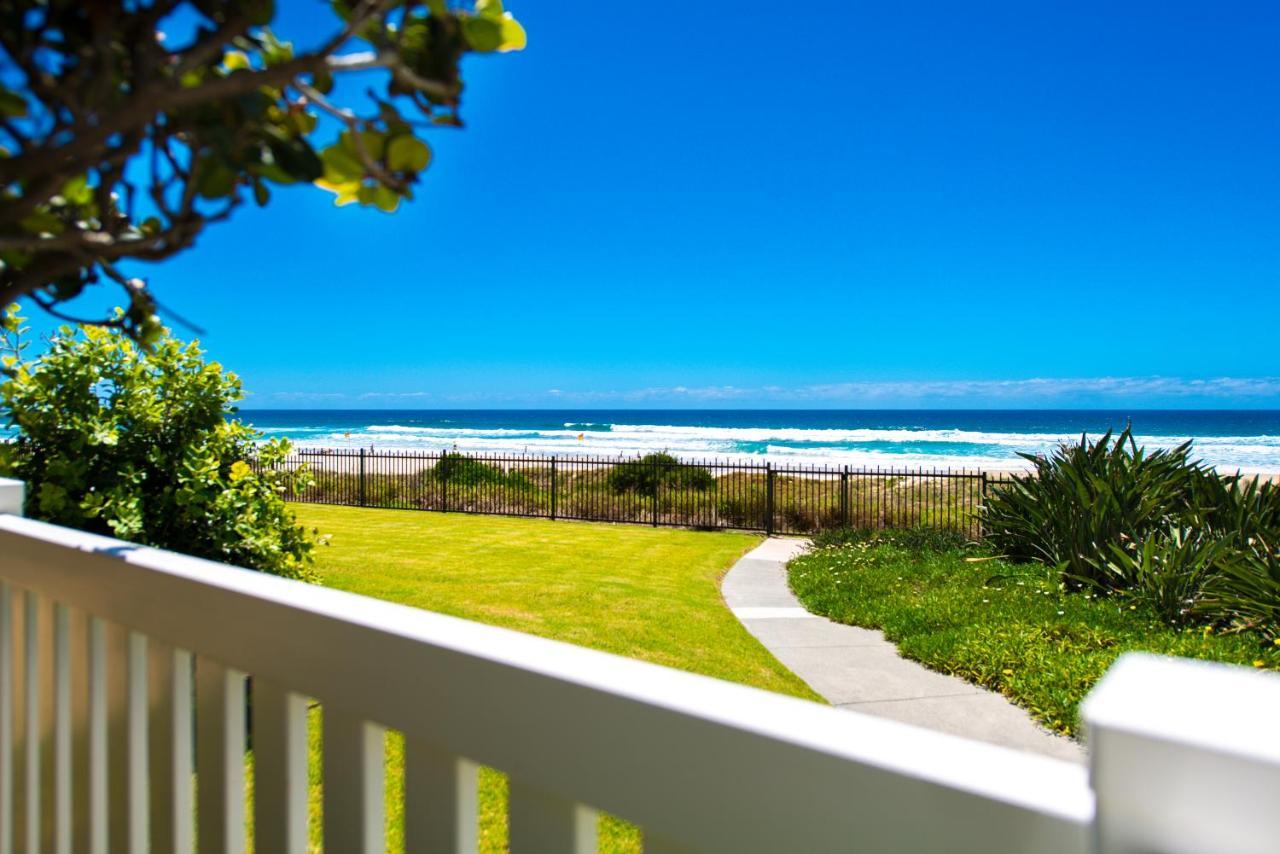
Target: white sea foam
(855,447)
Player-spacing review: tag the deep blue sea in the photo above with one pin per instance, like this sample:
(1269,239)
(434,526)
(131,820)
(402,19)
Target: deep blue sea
(992,439)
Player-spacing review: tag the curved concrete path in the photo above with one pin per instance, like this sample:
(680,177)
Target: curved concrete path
(857,669)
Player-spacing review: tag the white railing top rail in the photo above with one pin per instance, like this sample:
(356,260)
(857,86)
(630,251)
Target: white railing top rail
(692,760)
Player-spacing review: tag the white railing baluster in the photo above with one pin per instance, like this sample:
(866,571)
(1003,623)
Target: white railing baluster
(35,722)
(88,725)
(279,769)
(542,822)
(127,752)
(220,776)
(78,712)
(21,780)
(439,801)
(60,804)
(353,784)
(7,700)
(169,747)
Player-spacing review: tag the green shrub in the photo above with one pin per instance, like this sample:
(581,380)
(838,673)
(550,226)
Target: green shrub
(743,511)
(139,444)
(466,471)
(653,471)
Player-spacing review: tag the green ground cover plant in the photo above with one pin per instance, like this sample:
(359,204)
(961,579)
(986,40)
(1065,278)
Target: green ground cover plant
(635,591)
(1014,628)
(1158,529)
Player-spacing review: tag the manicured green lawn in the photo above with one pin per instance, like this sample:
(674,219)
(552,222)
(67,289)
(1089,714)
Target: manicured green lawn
(1012,628)
(646,593)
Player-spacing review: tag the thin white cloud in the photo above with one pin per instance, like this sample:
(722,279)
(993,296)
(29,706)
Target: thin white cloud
(1035,391)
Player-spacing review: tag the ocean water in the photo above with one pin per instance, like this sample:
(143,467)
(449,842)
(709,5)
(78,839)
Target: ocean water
(992,439)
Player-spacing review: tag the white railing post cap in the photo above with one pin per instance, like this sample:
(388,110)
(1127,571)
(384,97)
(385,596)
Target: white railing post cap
(12,496)
(1184,756)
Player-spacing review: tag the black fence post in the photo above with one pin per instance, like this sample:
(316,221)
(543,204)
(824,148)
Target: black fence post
(768,499)
(657,478)
(844,497)
(553,488)
(362,502)
(982,500)
(443,480)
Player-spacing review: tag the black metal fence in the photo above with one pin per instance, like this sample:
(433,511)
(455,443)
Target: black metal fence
(789,499)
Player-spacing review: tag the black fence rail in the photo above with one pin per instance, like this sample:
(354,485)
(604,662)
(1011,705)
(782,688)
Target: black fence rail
(790,499)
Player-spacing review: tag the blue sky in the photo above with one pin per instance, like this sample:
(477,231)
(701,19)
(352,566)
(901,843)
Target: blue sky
(835,205)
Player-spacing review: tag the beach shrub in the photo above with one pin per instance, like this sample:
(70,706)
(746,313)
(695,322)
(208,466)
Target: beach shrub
(742,511)
(141,444)
(798,518)
(462,470)
(652,471)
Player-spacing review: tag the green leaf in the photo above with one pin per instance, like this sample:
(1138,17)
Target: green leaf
(483,34)
(407,154)
(489,9)
(261,194)
(261,12)
(77,190)
(295,156)
(41,222)
(12,105)
(386,199)
(322,80)
(372,140)
(216,180)
(340,165)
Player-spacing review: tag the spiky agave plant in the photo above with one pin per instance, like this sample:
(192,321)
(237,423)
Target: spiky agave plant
(1085,499)
(1167,570)
(1244,592)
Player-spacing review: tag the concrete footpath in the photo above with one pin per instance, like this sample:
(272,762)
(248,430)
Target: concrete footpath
(857,669)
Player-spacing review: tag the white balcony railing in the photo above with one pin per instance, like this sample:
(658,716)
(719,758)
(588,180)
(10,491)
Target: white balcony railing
(123,677)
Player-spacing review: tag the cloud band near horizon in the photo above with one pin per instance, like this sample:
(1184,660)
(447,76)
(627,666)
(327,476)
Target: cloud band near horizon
(1014,393)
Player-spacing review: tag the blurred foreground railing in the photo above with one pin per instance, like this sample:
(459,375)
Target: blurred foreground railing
(777,499)
(125,673)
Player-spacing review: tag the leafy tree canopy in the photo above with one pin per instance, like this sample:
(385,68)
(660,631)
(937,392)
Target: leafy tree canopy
(139,443)
(117,144)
